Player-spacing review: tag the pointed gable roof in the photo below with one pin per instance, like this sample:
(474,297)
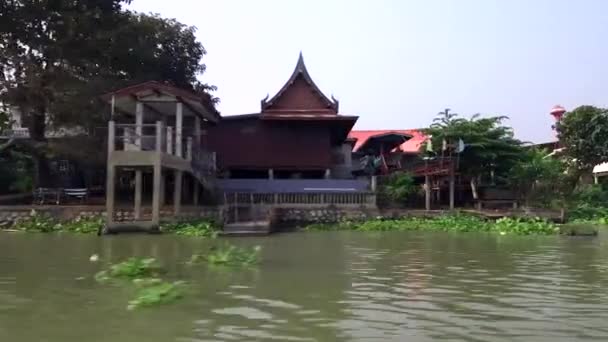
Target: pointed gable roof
(300,94)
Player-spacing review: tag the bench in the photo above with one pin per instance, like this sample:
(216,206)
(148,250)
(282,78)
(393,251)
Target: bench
(45,195)
(78,193)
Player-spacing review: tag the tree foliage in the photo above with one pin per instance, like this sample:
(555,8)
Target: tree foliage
(58,56)
(537,176)
(584,134)
(490,151)
(398,187)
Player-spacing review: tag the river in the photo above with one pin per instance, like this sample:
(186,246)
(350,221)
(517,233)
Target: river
(314,286)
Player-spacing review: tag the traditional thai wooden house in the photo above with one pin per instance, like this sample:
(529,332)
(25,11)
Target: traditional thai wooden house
(298,133)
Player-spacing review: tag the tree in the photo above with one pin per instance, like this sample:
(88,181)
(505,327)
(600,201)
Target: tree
(583,133)
(490,147)
(398,186)
(58,56)
(538,175)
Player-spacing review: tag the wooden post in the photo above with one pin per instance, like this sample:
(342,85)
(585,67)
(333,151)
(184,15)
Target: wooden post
(110,175)
(169,140)
(138,193)
(427,192)
(179,119)
(177,192)
(374,183)
(139,122)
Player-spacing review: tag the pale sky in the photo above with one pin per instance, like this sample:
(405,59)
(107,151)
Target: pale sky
(397,63)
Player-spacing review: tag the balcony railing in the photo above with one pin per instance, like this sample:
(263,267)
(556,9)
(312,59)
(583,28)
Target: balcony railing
(157,137)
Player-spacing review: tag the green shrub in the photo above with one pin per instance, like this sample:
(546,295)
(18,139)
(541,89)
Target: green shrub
(196,228)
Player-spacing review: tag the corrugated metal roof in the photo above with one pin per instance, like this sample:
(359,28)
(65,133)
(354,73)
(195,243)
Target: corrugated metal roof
(410,146)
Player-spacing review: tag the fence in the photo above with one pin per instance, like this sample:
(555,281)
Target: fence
(358,199)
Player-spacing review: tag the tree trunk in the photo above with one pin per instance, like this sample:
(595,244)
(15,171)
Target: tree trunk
(37,129)
(474,189)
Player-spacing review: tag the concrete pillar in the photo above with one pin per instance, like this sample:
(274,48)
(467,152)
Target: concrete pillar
(327,173)
(139,122)
(189,149)
(138,193)
(270,174)
(156,194)
(452,187)
(169,140)
(177,192)
(197,131)
(110,175)
(427,192)
(179,119)
(195,191)
(162,188)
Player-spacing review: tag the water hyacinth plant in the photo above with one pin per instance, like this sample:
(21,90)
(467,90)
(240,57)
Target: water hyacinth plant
(42,223)
(229,255)
(143,274)
(448,223)
(154,291)
(132,268)
(196,228)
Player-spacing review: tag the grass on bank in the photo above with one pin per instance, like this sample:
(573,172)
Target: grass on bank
(448,223)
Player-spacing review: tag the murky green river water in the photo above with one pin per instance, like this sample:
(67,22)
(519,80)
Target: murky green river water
(343,286)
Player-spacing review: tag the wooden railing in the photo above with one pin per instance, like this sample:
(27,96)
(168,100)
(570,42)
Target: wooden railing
(356,199)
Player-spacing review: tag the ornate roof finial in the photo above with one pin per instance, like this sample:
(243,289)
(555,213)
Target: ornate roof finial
(264,100)
(336,102)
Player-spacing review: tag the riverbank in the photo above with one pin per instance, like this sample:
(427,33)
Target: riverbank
(460,222)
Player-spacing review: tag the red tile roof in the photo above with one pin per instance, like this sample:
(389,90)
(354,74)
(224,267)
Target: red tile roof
(410,146)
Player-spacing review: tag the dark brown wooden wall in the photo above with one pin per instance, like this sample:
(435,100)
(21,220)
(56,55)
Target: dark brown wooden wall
(251,143)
